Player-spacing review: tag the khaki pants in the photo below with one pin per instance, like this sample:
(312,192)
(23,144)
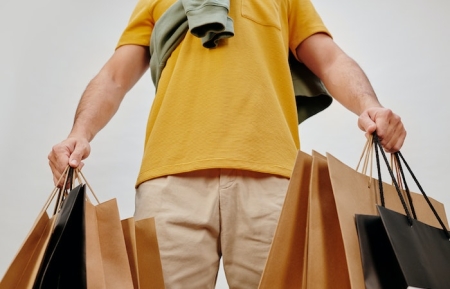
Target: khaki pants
(204,215)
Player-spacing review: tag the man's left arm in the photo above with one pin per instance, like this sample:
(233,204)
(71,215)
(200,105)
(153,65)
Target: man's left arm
(349,85)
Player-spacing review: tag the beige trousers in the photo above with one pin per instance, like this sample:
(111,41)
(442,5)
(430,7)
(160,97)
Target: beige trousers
(204,215)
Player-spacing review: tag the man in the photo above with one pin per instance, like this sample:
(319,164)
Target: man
(222,133)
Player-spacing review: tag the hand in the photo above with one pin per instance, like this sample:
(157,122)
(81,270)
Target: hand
(69,152)
(388,125)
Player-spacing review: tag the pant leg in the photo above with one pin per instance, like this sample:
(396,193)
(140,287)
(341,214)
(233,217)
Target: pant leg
(250,205)
(186,211)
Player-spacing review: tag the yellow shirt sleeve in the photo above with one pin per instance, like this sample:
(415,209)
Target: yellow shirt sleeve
(140,26)
(303,21)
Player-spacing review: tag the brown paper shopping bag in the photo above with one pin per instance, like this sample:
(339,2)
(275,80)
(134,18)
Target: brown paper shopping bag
(325,258)
(305,250)
(129,234)
(143,253)
(356,193)
(107,264)
(23,269)
(285,264)
(316,243)
(22,272)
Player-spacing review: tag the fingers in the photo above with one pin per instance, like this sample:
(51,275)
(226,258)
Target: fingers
(388,126)
(69,152)
(58,159)
(391,132)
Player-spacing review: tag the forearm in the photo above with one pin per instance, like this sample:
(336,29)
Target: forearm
(349,85)
(106,91)
(341,75)
(99,103)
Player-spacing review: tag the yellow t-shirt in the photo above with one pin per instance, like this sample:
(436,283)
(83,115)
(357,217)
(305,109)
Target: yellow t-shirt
(228,107)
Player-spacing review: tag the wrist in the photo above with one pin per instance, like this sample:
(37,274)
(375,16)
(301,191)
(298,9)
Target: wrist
(81,134)
(371,104)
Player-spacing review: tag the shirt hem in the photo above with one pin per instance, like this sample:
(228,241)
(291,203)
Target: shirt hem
(214,164)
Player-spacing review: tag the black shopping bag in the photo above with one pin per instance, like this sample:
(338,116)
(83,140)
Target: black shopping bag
(400,252)
(396,255)
(63,265)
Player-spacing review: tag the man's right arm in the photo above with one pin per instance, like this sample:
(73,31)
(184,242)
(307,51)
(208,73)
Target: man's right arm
(98,104)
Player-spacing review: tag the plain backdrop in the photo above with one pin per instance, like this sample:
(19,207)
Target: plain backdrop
(50,49)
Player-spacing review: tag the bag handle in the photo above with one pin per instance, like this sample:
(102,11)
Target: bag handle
(377,146)
(75,173)
(401,182)
(82,178)
(70,175)
(367,156)
(57,192)
(62,192)
(399,156)
(401,176)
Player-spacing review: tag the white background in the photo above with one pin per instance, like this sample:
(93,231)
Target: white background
(50,49)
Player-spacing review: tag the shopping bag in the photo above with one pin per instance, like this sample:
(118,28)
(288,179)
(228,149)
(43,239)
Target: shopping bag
(143,253)
(357,193)
(22,272)
(113,246)
(107,264)
(325,258)
(399,251)
(91,254)
(107,260)
(64,261)
(285,263)
(129,234)
(23,269)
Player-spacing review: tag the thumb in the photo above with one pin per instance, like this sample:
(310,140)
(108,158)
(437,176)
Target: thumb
(79,153)
(74,161)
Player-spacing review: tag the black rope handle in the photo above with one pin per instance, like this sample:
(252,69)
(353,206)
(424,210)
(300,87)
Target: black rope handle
(394,180)
(380,182)
(408,193)
(425,196)
(68,184)
(397,155)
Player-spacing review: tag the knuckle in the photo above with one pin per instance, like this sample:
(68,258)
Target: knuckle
(56,148)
